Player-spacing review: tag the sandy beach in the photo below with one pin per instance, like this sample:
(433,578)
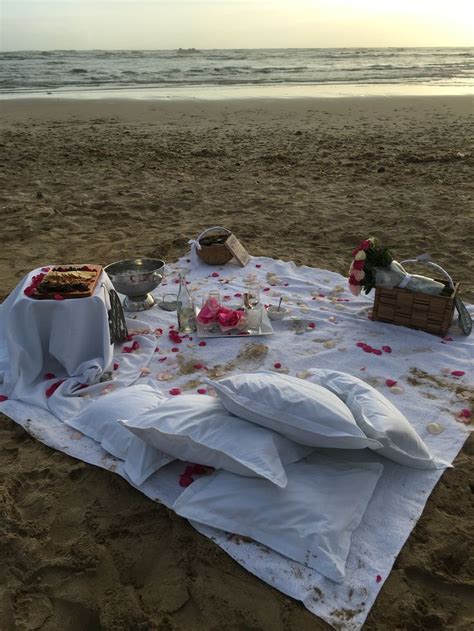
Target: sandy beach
(94,181)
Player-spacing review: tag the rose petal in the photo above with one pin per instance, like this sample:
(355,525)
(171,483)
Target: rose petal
(52,388)
(203,343)
(376,351)
(162,359)
(390,383)
(378,578)
(58,297)
(3,398)
(116,366)
(185,480)
(215,274)
(135,346)
(458,373)
(175,350)
(199,469)
(175,391)
(386,349)
(277,365)
(465,413)
(49,375)
(311,325)
(258,265)
(202,391)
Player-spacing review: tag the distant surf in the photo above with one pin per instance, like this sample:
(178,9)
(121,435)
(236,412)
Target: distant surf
(71,70)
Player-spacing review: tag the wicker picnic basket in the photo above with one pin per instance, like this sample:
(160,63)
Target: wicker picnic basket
(432,314)
(214,252)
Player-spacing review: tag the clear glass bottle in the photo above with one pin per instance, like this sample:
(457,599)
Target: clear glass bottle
(185,308)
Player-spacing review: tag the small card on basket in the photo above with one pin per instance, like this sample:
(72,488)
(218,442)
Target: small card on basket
(237,250)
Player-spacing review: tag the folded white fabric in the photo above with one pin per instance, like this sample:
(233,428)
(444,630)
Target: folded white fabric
(99,421)
(381,420)
(302,411)
(197,428)
(310,521)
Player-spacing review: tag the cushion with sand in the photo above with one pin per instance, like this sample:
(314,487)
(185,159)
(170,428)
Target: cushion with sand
(302,411)
(311,520)
(379,419)
(198,428)
(99,419)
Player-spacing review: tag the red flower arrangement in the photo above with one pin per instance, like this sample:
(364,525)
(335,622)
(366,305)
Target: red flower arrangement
(367,255)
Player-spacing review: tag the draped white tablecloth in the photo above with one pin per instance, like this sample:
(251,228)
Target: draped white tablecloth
(325,324)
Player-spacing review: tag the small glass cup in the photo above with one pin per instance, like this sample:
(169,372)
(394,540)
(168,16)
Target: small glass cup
(253,308)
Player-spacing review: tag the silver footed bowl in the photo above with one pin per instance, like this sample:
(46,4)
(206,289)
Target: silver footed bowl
(136,278)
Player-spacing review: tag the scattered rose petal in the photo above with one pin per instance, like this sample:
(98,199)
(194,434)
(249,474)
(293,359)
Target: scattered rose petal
(175,349)
(435,428)
(202,391)
(58,297)
(376,351)
(378,578)
(396,390)
(135,346)
(53,387)
(185,480)
(49,375)
(465,413)
(203,343)
(386,349)
(199,469)
(198,366)
(311,325)
(175,391)
(258,265)
(390,383)
(3,398)
(215,274)
(162,359)
(458,373)
(277,365)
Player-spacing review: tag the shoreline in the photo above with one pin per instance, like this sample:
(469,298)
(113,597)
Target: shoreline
(247,91)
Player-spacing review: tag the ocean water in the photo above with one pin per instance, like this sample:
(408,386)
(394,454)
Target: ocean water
(65,72)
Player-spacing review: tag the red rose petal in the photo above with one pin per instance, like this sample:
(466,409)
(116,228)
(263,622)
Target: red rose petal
(127,349)
(386,349)
(358,264)
(175,391)
(202,390)
(175,349)
(3,398)
(367,349)
(199,469)
(116,366)
(376,351)
(266,289)
(52,389)
(311,325)
(378,578)
(29,291)
(58,297)
(238,295)
(458,373)
(465,413)
(135,346)
(203,343)
(198,366)
(361,344)
(258,265)
(215,274)
(189,470)
(185,480)
(162,359)
(390,383)
(277,365)
(49,375)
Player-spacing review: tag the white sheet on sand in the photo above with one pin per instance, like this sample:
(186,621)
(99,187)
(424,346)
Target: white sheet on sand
(421,364)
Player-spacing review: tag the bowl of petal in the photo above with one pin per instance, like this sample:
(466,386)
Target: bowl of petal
(136,278)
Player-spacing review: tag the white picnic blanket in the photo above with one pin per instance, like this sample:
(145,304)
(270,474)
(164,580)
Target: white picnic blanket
(323,328)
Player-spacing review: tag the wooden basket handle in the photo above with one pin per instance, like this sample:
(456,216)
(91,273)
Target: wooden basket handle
(433,265)
(213,228)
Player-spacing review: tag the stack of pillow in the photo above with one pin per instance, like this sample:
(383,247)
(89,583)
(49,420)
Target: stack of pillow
(279,446)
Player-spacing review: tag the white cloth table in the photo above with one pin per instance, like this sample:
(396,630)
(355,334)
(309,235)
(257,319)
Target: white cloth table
(67,338)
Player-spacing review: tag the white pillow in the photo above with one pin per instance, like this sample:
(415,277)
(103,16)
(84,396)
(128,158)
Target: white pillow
(301,411)
(98,421)
(197,428)
(381,420)
(310,521)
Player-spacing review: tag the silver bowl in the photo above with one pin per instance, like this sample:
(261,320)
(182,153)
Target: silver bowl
(135,278)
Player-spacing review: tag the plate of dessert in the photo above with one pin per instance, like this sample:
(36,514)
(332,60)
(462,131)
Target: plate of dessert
(68,281)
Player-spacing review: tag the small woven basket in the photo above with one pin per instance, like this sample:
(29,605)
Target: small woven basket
(432,314)
(215,254)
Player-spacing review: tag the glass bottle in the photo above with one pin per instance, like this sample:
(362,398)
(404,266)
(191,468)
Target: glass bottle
(185,308)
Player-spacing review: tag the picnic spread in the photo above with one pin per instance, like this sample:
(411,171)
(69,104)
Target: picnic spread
(263,401)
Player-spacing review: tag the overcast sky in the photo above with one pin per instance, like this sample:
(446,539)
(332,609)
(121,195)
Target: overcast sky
(158,24)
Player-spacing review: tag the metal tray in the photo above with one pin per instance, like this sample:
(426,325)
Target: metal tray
(264,329)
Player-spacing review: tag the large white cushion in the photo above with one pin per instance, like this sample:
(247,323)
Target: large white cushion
(378,418)
(310,521)
(197,428)
(302,411)
(99,419)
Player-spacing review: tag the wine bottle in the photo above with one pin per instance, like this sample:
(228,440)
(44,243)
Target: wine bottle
(185,308)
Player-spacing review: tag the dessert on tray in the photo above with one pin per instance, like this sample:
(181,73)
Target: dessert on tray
(69,281)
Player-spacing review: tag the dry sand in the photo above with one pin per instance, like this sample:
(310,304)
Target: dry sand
(97,181)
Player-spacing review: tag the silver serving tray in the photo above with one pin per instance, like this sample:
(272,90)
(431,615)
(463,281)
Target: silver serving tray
(264,329)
